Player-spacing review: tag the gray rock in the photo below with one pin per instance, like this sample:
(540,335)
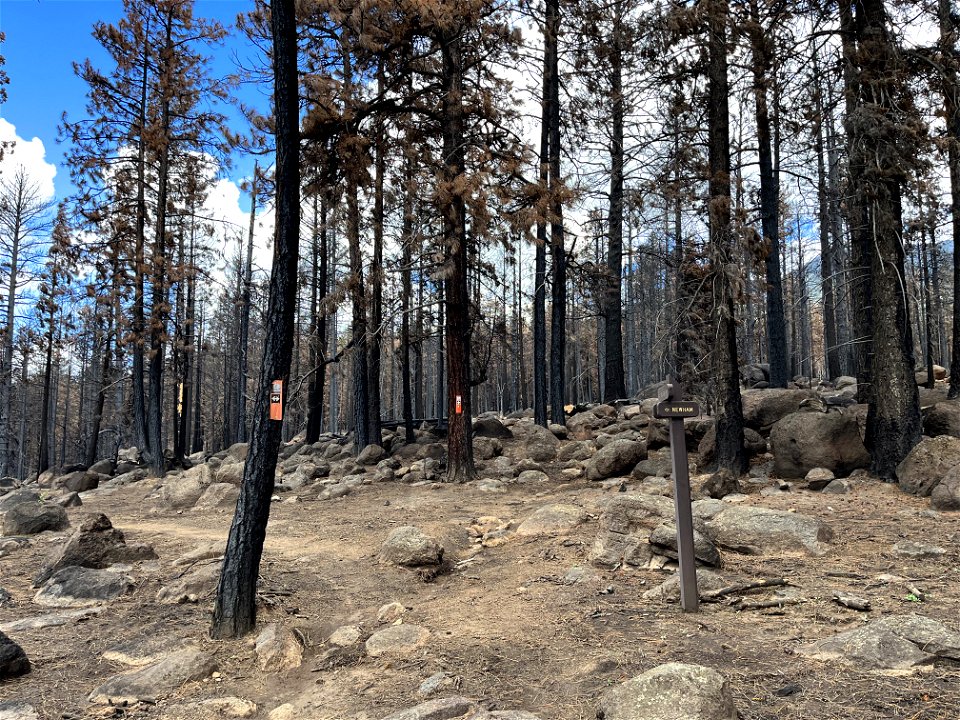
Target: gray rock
(69,500)
(57,619)
(946,495)
(13,660)
(818,478)
(491,427)
(555,519)
(371,455)
(576,450)
(409,546)
(279,648)
(584,425)
(541,445)
(79,481)
(669,590)
(31,518)
(759,531)
(837,487)
(196,584)
(450,708)
(397,640)
(218,495)
(485,448)
(917,551)
(434,684)
(624,527)
(764,408)
(532,476)
(942,419)
(17,710)
(181,492)
(892,643)
(130,455)
(103,467)
(927,464)
(82,587)
(149,647)
(230,473)
(95,544)
(157,681)
(238,452)
(6,599)
(674,691)
(663,539)
(19,497)
(806,440)
(617,458)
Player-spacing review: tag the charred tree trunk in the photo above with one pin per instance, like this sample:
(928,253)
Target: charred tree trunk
(460,466)
(235,609)
(729,410)
(241,433)
(613,386)
(318,325)
(769,203)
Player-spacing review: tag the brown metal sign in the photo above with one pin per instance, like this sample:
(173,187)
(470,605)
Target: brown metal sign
(676,409)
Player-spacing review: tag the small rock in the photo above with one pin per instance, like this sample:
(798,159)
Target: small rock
(664,542)
(283,712)
(371,455)
(818,478)
(390,612)
(532,476)
(13,660)
(39,622)
(345,636)
(279,648)
(673,691)
(16,710)
(838,487)
(218,495)
(397,640)
(917,551)
(440,709)
(669,590)
(434,684)
(69,500)
(409,546)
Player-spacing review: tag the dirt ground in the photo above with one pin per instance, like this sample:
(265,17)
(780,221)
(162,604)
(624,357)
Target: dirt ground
(504,624)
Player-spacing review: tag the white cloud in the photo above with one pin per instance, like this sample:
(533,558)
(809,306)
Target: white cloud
(31,155)
(229,208)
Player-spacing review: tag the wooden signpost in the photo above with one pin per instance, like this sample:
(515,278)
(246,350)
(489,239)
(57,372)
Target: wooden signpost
(671,407)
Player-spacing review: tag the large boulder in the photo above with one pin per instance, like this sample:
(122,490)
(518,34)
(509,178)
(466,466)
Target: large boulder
(196,583)
(675,691)
(616,458)
(13,660)
(79,481)
(491,427)
(624,527)
(409,546)
(663,541)
(760,531)
(18,497)
(946,495)
(764,408)
(180,492)
(371,455)
(32,518)
(397,640)
(942,419)
(279,648)
(927,464)
(806,440)
(95,544)
(230,472)
(754,444)
(897,642)
(237,452)
(584,425)
(541,445)
(218,495)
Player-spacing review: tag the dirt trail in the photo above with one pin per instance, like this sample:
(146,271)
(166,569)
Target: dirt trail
(508,626)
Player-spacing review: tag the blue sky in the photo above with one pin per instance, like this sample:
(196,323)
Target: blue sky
(44,38)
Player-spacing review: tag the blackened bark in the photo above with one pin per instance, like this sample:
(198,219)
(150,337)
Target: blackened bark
(43,456)
(235,608)
(318,324)
(241,390)
(138,324)
(540,390)
(406,271)
(159,290)
(558,279)
(614,387)
(769,203)
(951,106)
(376,280)
(893,416)
(460,466)
(730,452)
